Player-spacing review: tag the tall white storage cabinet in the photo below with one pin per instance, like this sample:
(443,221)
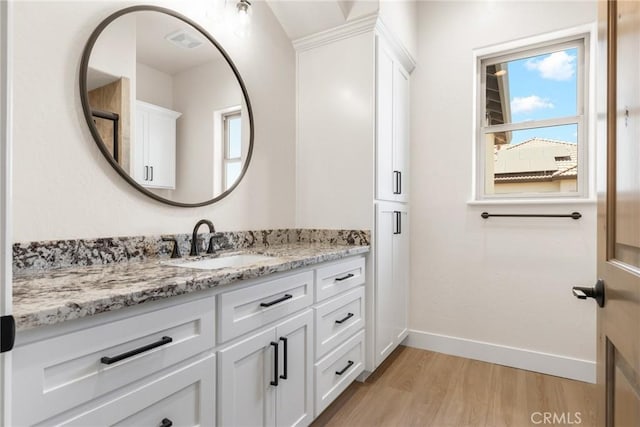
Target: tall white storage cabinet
(352,159)
(155,146)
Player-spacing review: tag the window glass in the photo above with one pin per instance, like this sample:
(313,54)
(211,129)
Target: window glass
(235,140)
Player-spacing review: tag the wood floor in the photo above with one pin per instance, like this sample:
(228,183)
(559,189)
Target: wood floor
(421,388)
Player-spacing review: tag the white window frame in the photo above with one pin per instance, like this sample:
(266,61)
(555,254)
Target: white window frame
(236,112)
(582,37)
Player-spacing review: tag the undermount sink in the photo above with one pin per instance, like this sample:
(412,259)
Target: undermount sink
(221,262)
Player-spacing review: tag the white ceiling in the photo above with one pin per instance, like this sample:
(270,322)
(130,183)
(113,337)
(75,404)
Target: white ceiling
(300,18)
(153,50)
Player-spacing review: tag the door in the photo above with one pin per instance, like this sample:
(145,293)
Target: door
(400,275)
(246,371)
(161,154)
(385,175)
(294,392)
(619,221)
(5,210)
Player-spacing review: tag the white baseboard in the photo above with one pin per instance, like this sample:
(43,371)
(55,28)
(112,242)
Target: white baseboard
(552,364)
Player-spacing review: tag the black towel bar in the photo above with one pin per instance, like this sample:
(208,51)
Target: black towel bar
(574,215)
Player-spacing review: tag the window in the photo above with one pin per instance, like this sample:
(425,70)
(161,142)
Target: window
(232,143)
(531,123)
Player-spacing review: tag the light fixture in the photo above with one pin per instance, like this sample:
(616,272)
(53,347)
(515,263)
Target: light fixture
(243,9)
(500,73)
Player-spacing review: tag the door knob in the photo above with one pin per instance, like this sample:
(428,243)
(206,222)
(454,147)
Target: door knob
(597,292)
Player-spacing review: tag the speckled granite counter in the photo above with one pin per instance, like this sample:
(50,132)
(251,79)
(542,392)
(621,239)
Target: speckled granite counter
(54,296)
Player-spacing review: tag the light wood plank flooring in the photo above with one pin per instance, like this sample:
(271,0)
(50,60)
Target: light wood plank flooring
(422,388)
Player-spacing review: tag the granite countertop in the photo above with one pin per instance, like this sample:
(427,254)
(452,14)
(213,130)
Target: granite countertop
(50,297)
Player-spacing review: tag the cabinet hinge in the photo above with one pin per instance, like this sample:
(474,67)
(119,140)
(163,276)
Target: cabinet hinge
(7,333)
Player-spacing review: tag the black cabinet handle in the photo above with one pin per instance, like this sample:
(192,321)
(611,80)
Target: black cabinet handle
(109,360)
(398,225)
(348,276)
(275,363)
(343,370)
(151,173)
(347,317)
(146,173)
(276,301)
(397,182)
(286,352)
(166,422)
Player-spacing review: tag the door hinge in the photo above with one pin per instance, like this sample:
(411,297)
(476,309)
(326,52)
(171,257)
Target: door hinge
(7,333)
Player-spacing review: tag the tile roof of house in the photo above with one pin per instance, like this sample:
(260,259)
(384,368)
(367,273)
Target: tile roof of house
(536,159)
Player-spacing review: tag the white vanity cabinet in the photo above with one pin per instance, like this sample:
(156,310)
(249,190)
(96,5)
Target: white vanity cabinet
(155,146)
(272,351)
(267,378)
(73,370)
(392,277)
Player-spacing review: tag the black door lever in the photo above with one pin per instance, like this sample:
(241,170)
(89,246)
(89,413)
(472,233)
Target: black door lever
(597,292)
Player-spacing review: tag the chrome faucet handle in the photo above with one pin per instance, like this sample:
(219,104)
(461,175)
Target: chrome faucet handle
(175,252)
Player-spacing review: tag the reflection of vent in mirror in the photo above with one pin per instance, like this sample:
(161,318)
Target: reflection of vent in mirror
(183,39)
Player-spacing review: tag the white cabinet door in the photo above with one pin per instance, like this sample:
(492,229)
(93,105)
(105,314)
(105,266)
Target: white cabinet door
(161,156)
(391,286)
(401,133)
(155,146)
(245,371)
(392,126)
(385,177)
(294,393)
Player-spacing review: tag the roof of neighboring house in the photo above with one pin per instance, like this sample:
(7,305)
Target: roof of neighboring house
(536,159)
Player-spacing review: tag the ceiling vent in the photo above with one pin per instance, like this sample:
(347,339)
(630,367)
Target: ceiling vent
(183,39)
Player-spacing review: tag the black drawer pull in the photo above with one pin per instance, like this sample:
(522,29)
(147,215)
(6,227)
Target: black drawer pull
(166,422)
(109,360)
(343,370)
(276,301)
(286,353)
(348,276)
(347,317)
(275,363)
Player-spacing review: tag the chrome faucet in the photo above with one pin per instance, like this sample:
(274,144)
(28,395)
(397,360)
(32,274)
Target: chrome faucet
(194,237)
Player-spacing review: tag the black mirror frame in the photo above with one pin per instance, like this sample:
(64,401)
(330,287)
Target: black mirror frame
(84,96)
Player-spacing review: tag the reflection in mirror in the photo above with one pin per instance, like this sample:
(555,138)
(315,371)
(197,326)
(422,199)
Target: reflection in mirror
(167,107)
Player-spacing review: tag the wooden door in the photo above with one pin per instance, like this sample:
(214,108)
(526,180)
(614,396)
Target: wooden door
(294,393)
(245,372)
(619,219)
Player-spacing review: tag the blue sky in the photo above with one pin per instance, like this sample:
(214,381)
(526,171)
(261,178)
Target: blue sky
(544,87)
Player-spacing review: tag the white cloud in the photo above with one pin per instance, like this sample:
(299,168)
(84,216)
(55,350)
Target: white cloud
(557,66)
(527,104)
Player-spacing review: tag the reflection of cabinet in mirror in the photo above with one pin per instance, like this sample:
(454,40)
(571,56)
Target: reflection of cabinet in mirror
(155,146)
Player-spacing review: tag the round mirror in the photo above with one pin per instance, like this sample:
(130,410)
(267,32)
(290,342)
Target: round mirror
(167,106)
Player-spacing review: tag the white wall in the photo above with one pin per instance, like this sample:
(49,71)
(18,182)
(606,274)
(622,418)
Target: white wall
(64,188)
(199,92)
(500,281)
(154,86)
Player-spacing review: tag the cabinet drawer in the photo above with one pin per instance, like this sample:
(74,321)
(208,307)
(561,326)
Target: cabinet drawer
(335,372)
(339,277)
(59,373)
(255,306)
(337,319)
(183,397)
